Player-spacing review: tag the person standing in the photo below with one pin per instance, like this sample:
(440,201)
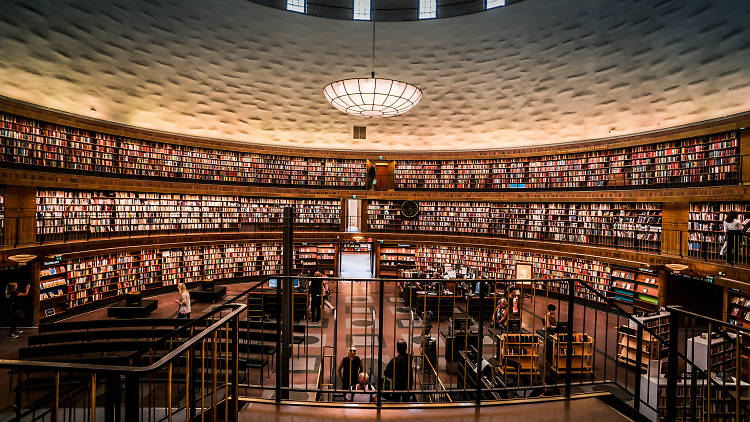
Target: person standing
(183,302)
(371,178)
(349,367)
(15,296)
(501,315)
(327,293)
(398,372)
(550,320)
(733,233)
(550,327)
(515,304)
(316,296)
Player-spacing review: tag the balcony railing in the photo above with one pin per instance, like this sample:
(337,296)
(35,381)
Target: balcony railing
(445,335)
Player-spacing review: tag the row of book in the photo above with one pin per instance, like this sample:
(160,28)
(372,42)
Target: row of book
(501,265)
(701,160)
(706,228)
(31,142)
(87,280)
(90,279)
(66,211)
(628,225)
(738,307)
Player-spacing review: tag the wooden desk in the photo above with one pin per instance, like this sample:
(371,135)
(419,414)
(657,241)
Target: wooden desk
(487,305)
(440,305)
(262,303)
(456,342)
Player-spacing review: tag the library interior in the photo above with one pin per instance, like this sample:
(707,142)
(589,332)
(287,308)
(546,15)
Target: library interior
(245,210)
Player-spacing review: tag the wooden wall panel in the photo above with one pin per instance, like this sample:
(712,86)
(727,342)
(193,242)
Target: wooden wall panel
(20,215)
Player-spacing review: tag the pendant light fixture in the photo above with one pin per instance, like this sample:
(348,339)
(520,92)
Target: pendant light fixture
(372,97)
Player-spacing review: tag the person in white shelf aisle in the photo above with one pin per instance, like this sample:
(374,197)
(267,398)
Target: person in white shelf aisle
(733,229)
(183,308)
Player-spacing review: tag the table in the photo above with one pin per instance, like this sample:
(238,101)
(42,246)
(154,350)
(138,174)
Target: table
(136,310)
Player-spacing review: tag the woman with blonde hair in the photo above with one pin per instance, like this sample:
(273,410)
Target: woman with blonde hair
(183,308)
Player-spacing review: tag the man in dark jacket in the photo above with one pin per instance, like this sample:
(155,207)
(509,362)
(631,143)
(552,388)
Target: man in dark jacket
(398,371)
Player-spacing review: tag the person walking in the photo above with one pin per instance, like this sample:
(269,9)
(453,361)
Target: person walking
(316,296)
(183,302)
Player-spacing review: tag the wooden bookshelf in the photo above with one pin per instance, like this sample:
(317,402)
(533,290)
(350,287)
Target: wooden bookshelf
(717,354)
(53,287)
(692,399)
(582,357)
(706,229)
(627,348)
(705,160)
(656,327)
(518,354)
(623,284)
(646,294)
(89,280)
(623,225)
(638,287)
(394,259)
(75,214)
(30,143)
(738,307)
(2,213)
(315,257)
(497,264)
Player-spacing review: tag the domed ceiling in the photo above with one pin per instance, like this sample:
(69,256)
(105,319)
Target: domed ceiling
(539,72)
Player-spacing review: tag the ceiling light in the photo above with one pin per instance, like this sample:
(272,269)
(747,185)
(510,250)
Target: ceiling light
(372,97)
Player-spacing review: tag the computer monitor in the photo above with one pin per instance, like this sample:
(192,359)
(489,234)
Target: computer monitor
(460,322)
(562,327)
(296,282)
(273,283)
(514,325)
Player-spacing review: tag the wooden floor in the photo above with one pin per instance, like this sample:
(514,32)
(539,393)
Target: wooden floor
(589,409)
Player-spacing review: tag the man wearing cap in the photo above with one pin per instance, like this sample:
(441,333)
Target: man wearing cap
(349,368)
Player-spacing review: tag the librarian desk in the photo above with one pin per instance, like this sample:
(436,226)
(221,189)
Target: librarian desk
(456,341)
(441,305)
(474,304)
(264,302)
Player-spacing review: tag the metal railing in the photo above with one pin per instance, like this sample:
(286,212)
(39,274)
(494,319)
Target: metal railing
(189,373)
(562,337)
(707,370)
(685,243)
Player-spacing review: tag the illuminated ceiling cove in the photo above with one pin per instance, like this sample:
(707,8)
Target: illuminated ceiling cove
(539,72)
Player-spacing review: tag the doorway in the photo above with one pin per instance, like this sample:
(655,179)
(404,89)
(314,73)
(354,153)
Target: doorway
(383,181)
(356,261)
(353,216)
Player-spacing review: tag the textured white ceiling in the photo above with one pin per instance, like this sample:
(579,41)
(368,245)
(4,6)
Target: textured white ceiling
(537,72)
